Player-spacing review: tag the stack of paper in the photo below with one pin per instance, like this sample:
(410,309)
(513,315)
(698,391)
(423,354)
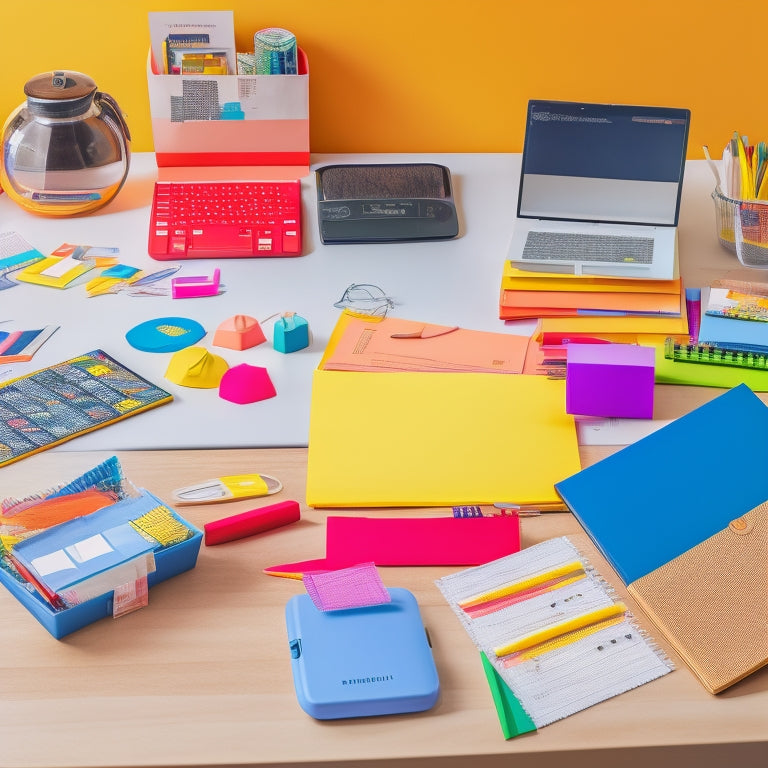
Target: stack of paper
(593,305)
(86,557)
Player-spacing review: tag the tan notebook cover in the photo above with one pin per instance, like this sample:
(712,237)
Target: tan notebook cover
(711,602)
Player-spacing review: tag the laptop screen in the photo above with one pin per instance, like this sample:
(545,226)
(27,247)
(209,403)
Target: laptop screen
(603,162)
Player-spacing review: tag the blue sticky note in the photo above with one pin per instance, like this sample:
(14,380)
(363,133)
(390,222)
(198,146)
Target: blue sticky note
(122,271)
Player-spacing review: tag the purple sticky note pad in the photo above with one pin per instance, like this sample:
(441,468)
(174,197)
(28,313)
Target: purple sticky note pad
(610,380)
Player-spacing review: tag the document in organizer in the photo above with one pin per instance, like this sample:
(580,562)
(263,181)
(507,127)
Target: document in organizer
(600,188)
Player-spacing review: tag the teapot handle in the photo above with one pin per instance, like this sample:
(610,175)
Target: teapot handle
(101,97)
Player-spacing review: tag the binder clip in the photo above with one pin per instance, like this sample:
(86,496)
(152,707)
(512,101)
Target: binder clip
(291,333)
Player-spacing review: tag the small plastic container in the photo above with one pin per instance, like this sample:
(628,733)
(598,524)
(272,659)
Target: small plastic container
(742,228)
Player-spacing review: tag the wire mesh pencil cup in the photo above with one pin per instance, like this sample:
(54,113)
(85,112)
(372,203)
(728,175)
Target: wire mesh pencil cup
(742,228)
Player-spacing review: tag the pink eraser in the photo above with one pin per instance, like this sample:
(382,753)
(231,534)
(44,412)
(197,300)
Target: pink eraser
(254,521)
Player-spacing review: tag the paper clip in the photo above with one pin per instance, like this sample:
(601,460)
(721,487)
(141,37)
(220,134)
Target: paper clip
(530,510)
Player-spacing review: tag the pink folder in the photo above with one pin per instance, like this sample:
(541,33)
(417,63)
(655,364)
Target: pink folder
(407,541)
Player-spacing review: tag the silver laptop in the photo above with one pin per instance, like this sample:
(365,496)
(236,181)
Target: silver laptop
(600,188)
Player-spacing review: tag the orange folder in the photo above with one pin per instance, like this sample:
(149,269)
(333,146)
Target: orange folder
(672,325)
(663,303)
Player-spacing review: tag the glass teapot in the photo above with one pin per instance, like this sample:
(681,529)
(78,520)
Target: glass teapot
(66,150)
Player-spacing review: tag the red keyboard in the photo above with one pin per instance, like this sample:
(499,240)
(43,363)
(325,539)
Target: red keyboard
(225,219)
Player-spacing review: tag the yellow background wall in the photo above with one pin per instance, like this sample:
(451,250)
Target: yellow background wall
(430,75)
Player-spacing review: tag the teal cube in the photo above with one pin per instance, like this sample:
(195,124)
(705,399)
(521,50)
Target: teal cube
(291,333)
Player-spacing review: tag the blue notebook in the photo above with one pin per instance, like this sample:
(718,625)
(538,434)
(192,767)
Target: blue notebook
(732,332)
(668,492)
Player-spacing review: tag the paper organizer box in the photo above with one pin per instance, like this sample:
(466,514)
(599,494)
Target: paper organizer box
(230,120)
(169,560)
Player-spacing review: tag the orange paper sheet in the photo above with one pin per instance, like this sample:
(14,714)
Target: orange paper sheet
(372,344)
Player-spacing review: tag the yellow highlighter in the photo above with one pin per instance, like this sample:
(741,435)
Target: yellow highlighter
(567,571)
(229,488)
(593,620)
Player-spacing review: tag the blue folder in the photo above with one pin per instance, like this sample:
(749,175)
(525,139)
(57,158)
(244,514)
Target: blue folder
(668,492)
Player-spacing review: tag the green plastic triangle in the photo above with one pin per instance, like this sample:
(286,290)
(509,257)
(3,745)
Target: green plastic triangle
(513,718)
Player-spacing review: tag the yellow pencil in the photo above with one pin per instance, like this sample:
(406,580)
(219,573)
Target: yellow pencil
(747,191)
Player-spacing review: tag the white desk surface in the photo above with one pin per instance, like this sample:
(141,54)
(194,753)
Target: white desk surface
(454,282)
(201,676)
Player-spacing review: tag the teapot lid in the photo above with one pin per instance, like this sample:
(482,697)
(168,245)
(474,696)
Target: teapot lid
(61,93)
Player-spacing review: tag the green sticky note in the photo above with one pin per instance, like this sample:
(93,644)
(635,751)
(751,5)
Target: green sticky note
(513,718)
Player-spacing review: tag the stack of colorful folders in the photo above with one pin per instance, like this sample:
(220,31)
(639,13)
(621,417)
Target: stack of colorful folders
(593,304)
(590,308)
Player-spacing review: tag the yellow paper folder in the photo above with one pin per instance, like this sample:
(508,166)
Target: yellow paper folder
(437,439)
(596,325)
(518,279)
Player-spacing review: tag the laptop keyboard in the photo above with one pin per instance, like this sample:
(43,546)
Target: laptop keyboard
(197,220)
(573,246)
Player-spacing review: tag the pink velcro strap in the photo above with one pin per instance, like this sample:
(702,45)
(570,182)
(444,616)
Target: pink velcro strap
(354,587)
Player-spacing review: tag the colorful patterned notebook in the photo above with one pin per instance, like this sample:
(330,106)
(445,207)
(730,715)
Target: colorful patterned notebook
(61,402)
